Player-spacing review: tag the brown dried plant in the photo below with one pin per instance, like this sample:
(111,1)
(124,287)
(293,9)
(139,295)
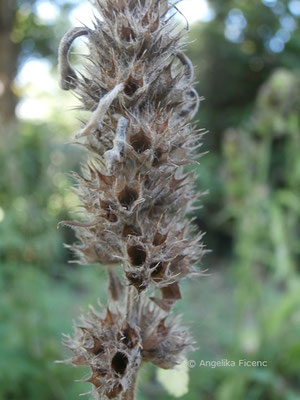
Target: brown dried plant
(138,85)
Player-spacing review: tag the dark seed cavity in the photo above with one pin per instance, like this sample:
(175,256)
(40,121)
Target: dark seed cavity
(128,337)
(119,363)
(140,142)
(137,255)
(131,86)
(136,281)
(131,230)
(127,197)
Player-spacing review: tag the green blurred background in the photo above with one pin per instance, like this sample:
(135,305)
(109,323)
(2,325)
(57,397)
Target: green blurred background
(248,304)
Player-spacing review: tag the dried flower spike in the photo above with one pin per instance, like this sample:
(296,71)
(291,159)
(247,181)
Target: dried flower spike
(138,84)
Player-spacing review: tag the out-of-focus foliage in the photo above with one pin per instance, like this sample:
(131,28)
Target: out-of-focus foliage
(34,309)
(33,196)
(262,173)
(24,36)
(34,37)
(40,293)
(235,53)
(248,306)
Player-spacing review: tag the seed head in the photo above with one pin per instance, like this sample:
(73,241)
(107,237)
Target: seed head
(136,193)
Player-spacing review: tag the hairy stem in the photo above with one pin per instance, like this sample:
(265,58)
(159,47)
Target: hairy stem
(130,393)
(132,311)
(133,306)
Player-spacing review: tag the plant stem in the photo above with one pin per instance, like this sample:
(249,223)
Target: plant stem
(130,393)
(132,311)
(133,306)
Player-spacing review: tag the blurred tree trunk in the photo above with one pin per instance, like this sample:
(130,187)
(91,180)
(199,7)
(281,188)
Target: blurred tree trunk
(8,62)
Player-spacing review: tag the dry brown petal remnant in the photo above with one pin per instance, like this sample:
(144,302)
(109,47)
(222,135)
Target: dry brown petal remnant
(136,191)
